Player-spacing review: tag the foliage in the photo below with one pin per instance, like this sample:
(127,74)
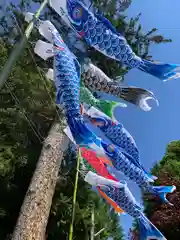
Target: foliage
(170,164)
(26,114)
(166,218)
(27,110)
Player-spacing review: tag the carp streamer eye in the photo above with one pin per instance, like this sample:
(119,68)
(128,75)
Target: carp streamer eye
(77,13)
(111,148)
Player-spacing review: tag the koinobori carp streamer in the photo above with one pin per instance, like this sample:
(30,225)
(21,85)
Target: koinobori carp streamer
(99,33)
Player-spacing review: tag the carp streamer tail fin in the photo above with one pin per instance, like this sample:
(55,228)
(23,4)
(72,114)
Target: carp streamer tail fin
(163,71)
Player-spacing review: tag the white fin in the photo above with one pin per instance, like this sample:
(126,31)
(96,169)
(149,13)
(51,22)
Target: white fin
(28,16)
(50,74)
(44,50)
(45,29)
(94,112)
(67,131)
(60,7)
(96,180)
(98,149)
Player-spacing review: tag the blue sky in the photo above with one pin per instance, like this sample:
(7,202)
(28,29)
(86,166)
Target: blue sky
(154,130)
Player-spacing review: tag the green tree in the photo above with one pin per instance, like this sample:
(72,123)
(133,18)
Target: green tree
(164,217)
(25,120)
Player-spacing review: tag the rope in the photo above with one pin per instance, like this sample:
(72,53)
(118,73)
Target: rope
(39,72)
(74,195)
(30,122)
(19,47)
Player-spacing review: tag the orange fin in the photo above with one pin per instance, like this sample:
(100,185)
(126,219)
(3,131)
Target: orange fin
(105,160)
(110,201)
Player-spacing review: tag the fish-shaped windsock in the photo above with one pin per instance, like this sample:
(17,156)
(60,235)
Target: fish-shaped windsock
(67,80)
(99,33)
(116,132)
(96,163)
(120,193)
(97,80)
(90,162)
(122,163)
(66,74)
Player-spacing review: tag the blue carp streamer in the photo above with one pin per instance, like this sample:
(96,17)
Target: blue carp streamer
(119,193)
(122,163)
(116,132)
(67,81)
(99,33)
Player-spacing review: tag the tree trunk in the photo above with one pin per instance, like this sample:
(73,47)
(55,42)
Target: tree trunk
(34,213)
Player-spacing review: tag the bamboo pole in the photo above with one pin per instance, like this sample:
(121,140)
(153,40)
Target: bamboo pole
(92,224)
(74,196)
(99,232)
(19,47)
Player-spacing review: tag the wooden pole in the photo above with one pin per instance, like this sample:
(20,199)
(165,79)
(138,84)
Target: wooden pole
(34,213)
